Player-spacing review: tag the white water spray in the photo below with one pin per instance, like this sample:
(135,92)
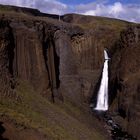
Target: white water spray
(102,100)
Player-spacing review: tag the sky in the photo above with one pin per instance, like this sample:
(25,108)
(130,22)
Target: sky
(121,9)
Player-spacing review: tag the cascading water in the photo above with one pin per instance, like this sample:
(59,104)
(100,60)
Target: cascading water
(102,99)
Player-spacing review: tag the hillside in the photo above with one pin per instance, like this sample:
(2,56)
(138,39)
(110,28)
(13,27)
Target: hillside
(50,71)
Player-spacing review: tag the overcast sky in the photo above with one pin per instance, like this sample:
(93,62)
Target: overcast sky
(122,9)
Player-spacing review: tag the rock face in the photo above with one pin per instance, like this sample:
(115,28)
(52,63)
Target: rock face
(6,58)
(24,55)
(62,59)
(125,76)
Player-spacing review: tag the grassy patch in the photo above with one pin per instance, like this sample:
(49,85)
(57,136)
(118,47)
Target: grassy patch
(56,121)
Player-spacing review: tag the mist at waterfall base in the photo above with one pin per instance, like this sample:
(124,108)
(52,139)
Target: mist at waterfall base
(102,98)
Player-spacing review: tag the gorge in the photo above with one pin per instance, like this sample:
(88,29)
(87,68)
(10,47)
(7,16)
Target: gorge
(50,71)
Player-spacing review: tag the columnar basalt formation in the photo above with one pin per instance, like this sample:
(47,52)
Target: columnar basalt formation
(6,59)
(67,58)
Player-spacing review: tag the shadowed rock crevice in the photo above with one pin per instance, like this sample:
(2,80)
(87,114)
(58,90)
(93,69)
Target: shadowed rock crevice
(11,52)
(2,130)
(52,62)
(95,92)
(114,87)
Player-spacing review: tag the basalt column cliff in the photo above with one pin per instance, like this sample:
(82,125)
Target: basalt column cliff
(50,72)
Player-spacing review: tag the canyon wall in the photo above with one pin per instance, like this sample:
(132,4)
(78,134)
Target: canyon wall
(125,79)
(65,60)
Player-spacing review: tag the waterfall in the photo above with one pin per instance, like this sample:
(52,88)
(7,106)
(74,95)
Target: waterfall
(102,99)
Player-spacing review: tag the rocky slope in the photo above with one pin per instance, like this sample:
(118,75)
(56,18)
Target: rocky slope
(62,61)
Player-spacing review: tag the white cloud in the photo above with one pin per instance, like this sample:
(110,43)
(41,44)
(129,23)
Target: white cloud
(51,6)
(48,6)
(130,12)
(116,9)
(90,12)
(26,3)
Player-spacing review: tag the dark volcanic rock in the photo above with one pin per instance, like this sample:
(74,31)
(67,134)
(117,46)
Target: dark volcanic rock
(59,58)
(6,59)
(125,79)
(29,62)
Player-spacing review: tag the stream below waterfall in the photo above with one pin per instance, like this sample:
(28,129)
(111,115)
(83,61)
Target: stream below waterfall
(115,130)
